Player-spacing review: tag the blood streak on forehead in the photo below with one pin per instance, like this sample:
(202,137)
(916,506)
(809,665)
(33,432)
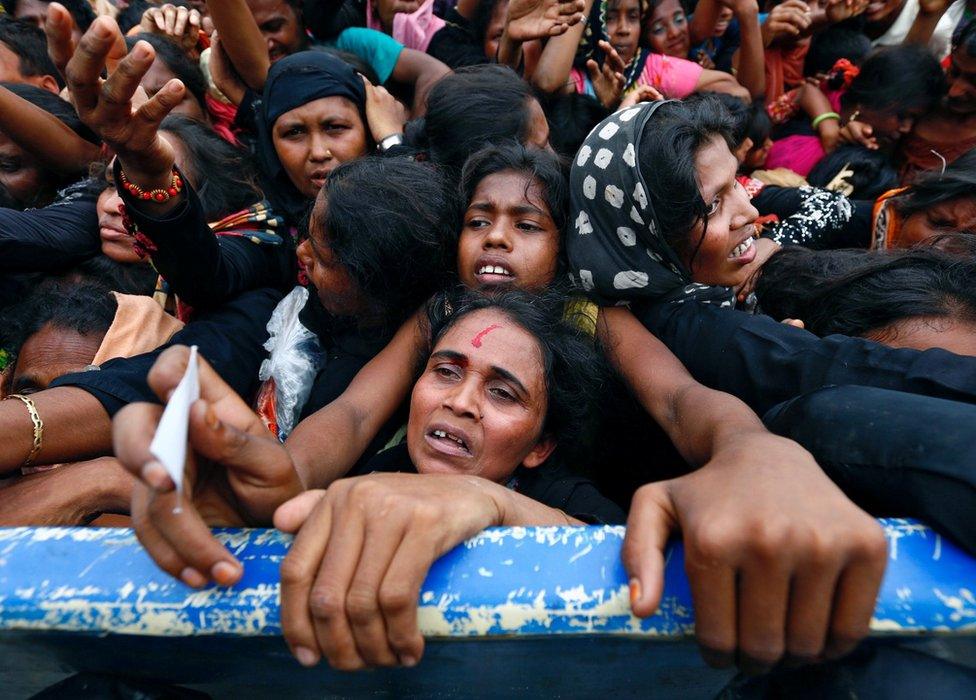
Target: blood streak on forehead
(479,336)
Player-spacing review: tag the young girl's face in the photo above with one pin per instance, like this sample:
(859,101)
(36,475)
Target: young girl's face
(313,139)
(623,27)
(667,32)
(720,253)
(480,404)
(508,236)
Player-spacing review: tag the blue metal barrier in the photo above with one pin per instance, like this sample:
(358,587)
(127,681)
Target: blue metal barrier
(86,599)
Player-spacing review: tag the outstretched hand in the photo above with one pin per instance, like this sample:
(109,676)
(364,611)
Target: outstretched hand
(107,107)
(352,578)
(237,474)
(537,19)
(608,79)
(180,25)
(779,561)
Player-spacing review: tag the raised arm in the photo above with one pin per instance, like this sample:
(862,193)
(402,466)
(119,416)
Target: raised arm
(421,71)
(242,40)
(750,59)
(45,136)
(357,415)
(527,20)
(718,81)
(552,72)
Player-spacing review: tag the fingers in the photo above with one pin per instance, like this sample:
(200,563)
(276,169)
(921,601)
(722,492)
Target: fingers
(122,83)
(58,26)
(811,599)
(291,515)
(712,582)
(83,72)
(857,591)
(151,113)
(327,599)
(178,540)
(398,597)
(298,572)
(763,596)
(132,432)
(649,525)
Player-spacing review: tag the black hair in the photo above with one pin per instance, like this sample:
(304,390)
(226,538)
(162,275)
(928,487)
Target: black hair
(178,63)
(738,109)
(871,172)
(537,164)
(469,108)
(829,46)
(571,118)
(669,144)
(52,104)
(897,78)
(81,12)
(574,372)
(125,278)
(934,187)
(481,19)
(85,308)
(223,173)
(856,292)
(393,224)
(131,16)
(964,37)
(30,44)
(760,125)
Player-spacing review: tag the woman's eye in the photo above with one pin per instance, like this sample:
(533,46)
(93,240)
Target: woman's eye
(294,132)
(447,372)
(335,127)
(9,166)
(502,393)
(478,223)
(713,207)
(528,226)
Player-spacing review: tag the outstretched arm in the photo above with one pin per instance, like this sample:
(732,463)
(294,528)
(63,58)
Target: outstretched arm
(552,72)
(242,40)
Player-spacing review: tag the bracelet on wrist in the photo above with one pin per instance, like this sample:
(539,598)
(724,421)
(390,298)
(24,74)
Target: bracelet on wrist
(38,427)
(389,142)
(820,119)
(158,195)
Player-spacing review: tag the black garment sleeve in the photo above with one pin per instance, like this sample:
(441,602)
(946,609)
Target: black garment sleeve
(814,218)
(576,496)
(765,363)
(455,45)
(231,338)
(201,268)
(52,238)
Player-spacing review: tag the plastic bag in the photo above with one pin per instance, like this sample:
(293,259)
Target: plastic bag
(288,373)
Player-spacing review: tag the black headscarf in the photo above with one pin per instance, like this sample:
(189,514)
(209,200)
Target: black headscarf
(617,251)
(292,82)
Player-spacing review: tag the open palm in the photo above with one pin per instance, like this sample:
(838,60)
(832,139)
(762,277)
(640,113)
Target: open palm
(536,19)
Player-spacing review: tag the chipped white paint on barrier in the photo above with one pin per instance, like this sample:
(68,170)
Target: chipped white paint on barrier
(504,581)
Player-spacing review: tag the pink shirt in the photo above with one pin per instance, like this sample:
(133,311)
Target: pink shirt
(676,78)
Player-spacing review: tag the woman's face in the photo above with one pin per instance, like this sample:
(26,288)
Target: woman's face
(496,26)
(667,32)
(336,289)
(157,76)
(888,125)
(313,139)
(117,244)
(623,27)
(727,243)
(280,25)
(479,406)
(954,216)
(23,182)
(508,236)
(722,22)
(882,10)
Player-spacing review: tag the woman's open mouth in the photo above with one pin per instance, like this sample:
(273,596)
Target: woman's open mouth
(449,442)
(745,252)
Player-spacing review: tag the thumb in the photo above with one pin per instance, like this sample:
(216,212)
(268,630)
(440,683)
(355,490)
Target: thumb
(593,69)
(649,525)
(292,514)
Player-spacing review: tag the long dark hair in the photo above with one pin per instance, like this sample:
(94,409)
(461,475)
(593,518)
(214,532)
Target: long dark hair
(855,292)
(669,144)
(933,187)
(574,372)
(897,78)
(468,109)
(393,224)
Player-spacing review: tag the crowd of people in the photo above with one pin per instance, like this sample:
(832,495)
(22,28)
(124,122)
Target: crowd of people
(707,268)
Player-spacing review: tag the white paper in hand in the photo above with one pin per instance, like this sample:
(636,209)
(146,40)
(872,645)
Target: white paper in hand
(169,443)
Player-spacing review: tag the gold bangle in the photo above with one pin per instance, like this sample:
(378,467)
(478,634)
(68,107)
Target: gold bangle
(38,427)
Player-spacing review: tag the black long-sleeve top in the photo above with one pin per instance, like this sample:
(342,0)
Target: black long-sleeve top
(204,269)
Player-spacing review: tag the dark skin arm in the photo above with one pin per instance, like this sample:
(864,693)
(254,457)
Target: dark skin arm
(780,562)
(76,427)
(72,494)
(421,71)
(242,40)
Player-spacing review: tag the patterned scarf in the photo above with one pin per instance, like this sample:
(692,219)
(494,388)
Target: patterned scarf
(617,252)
